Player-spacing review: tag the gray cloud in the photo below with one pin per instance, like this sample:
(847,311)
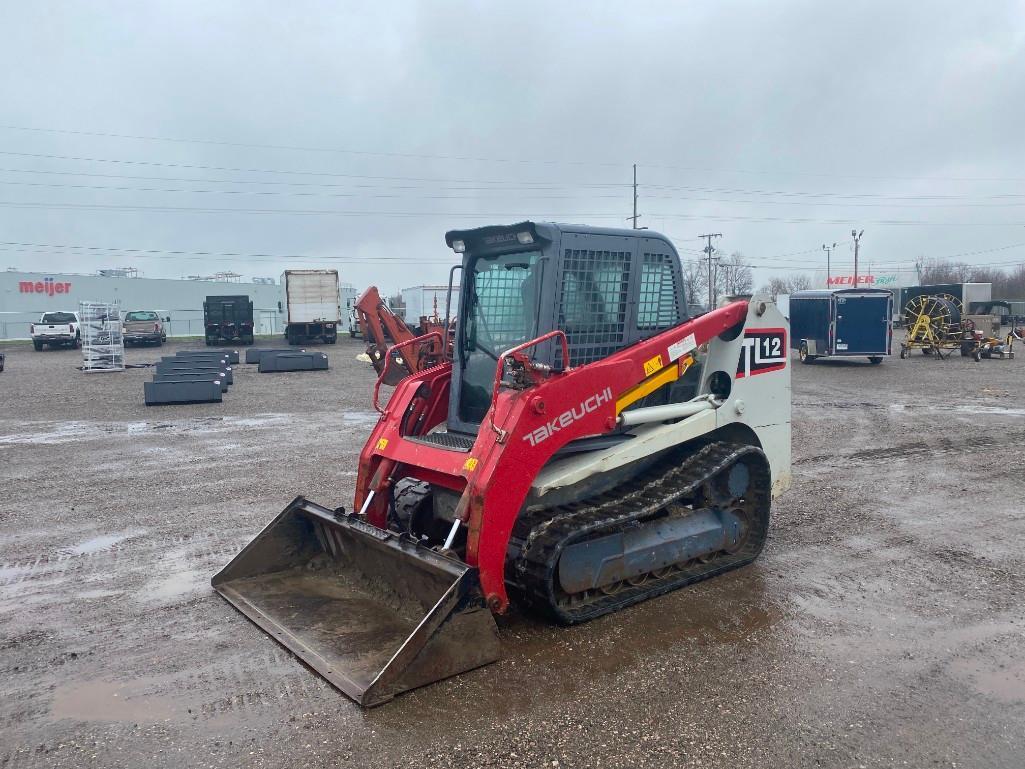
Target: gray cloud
(741,115)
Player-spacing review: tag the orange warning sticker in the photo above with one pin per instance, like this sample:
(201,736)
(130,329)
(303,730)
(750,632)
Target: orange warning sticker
(653,365)
(470,464)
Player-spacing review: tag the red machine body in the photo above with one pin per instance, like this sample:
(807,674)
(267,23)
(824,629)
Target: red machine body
(523,429)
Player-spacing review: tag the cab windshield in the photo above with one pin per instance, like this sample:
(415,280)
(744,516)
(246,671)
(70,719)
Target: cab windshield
(501,313)
(142,315)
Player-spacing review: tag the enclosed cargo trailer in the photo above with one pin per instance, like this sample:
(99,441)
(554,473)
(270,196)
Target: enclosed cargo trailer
(854,322)
(312,306)
(427,302)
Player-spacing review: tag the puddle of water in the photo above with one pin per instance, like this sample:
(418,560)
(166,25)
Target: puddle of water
(1002,679)
(360,417)
(45,433)
(102,542)
(714,615)
(48,433)
(12,573)
(963,408)
(178,585)
(98,593)
(128,701)
(260,420)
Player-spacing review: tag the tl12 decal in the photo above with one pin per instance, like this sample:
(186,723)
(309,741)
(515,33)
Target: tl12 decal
(763,350)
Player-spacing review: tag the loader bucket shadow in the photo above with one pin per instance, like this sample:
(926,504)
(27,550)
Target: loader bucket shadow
(373,612)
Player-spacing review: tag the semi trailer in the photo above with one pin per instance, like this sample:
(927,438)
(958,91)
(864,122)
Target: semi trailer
(312,306)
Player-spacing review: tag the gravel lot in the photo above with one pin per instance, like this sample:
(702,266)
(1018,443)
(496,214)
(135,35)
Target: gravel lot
(883,625)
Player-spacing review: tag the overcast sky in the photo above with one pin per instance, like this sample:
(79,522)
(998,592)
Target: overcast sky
(781,125)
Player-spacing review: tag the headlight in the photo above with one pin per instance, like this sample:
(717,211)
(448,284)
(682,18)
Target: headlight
(458,246)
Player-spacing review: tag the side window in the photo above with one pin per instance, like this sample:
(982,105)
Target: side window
(659,304)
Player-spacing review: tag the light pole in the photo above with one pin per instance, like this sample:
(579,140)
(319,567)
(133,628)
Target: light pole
(829,253)
(857,241)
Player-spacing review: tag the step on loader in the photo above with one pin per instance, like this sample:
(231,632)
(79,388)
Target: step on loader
(588,446)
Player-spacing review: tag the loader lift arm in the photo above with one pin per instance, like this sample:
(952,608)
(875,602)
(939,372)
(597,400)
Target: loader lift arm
(387,335)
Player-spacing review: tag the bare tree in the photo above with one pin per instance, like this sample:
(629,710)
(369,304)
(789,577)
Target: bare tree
(1007,284)
(733,276)
(695,283)
(933,271)
(786,285)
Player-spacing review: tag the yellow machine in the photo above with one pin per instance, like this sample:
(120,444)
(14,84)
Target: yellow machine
(933,324)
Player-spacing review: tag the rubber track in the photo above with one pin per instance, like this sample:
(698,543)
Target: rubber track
(539,537)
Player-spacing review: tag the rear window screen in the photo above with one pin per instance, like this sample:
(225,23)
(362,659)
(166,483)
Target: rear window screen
(144,315)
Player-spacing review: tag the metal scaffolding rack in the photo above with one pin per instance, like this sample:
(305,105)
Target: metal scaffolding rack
(103,346)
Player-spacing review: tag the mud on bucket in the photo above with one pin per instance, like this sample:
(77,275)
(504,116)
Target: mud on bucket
(373,612)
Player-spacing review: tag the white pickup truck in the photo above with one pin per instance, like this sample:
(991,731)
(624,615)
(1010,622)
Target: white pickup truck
(57,329)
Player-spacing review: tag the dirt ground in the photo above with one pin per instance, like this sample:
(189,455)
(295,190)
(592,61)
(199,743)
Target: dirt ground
(882,626)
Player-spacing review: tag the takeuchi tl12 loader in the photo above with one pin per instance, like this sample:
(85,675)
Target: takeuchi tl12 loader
(590,446)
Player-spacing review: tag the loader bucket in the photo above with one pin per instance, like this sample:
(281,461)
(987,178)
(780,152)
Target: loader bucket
(374,612)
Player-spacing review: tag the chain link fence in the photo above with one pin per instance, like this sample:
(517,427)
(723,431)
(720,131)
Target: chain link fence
(183,323)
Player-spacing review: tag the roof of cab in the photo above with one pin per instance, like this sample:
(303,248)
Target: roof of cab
(549,229)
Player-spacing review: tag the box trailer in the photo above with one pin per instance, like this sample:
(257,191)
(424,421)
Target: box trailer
(426,302)
(312,306)
(853,322)
(966,293)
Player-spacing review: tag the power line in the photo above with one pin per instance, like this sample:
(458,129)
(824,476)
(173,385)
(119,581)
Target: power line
(504,195)
(545,216)
(299,148)
(494,184)
(466,158)
(152,253)
(99,187)
(229,169)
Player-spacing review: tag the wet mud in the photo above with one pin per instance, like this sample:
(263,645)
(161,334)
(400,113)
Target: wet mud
(884,625)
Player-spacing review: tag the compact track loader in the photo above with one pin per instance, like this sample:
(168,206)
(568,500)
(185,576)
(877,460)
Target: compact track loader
(589,446)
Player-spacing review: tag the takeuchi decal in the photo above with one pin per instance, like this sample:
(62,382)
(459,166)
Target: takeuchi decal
(866,280)
(47,286)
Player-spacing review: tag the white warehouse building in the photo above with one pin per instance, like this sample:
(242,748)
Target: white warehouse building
(25,296)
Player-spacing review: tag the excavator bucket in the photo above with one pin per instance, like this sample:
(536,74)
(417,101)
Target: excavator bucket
(374,612)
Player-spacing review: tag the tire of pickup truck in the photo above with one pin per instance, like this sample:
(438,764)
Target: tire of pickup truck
(74,343)
(37,345)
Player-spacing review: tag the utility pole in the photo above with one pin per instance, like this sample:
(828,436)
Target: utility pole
(857,242)
(711,280)
(635,217)
(829,253)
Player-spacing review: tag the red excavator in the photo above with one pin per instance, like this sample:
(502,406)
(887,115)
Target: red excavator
(589,446)
(410,352)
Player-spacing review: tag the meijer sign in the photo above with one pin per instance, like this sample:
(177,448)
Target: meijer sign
(47,286)
(866,280)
